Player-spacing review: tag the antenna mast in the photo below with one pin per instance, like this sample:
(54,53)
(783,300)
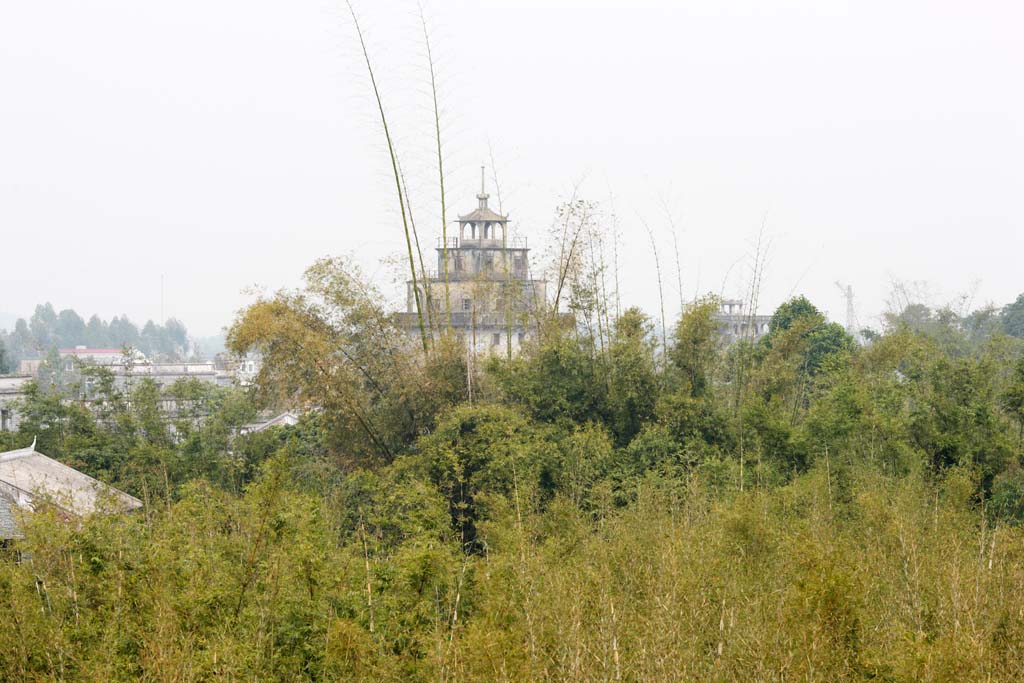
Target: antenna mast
(851,316)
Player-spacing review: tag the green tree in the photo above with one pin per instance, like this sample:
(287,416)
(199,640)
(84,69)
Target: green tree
(1012,317)
(806,332)
(479,454)
(694,351)
(956,422)
(333,346)
(69,329)
(96,334)
(560,379)
(632,382)
(1013,399)
(41,326)
(788,313)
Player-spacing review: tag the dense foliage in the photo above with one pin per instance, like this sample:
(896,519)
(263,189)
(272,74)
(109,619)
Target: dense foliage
(597,508)
(47,330)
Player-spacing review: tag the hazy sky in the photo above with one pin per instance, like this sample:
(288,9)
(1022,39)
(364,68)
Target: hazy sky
(229,143)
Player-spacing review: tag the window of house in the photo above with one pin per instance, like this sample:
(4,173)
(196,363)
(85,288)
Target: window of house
(495,338)
(467,304)
(522,338)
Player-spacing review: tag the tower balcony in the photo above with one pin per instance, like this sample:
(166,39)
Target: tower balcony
(517,242)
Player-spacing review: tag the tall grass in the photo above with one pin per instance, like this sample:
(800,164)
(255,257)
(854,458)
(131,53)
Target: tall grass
(886,580)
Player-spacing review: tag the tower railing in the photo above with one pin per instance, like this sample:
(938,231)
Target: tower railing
(517,242)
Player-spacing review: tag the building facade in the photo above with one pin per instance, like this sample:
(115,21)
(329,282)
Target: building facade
(735,323)
(494,299)
(126,370)
(12,393)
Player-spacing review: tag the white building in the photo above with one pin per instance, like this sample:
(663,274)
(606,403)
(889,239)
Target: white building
(735,323)
(12,391)
(134,366)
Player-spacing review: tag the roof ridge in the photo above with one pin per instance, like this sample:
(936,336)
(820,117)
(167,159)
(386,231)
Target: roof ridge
(17,453)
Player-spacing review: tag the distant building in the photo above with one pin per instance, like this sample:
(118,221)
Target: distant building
(30,366)
(99,357)
(492,294)
(12,391)
(28,478)
(242,369)
(165,374)
(286,419)
(126,370)
(133,366)
(735,323)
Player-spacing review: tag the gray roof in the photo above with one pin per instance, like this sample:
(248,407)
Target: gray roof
(8,524)
(26,474)
(285,419)
(483,215)
(14,384)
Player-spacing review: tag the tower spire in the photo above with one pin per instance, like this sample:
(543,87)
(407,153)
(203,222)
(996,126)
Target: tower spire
(483,196)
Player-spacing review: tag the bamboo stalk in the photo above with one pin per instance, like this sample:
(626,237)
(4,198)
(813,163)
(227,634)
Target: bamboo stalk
(394,169)
(440,172)
(661,292)
(419,252)
(563,260)
(675,245)
(504,250)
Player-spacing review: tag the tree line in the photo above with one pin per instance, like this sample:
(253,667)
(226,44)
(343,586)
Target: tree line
(48,330)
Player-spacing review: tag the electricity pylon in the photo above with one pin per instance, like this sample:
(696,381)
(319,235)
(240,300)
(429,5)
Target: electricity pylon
(851,316)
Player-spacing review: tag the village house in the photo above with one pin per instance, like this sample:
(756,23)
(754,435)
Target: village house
(29,479)
(12,392)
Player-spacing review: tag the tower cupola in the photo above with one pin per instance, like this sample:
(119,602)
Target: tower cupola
(483,226)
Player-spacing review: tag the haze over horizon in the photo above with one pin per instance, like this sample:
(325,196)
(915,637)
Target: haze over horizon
(228,144)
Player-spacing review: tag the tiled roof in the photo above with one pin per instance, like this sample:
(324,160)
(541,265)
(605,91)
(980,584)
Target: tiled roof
(483,215)
(286,419)
(27,474)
